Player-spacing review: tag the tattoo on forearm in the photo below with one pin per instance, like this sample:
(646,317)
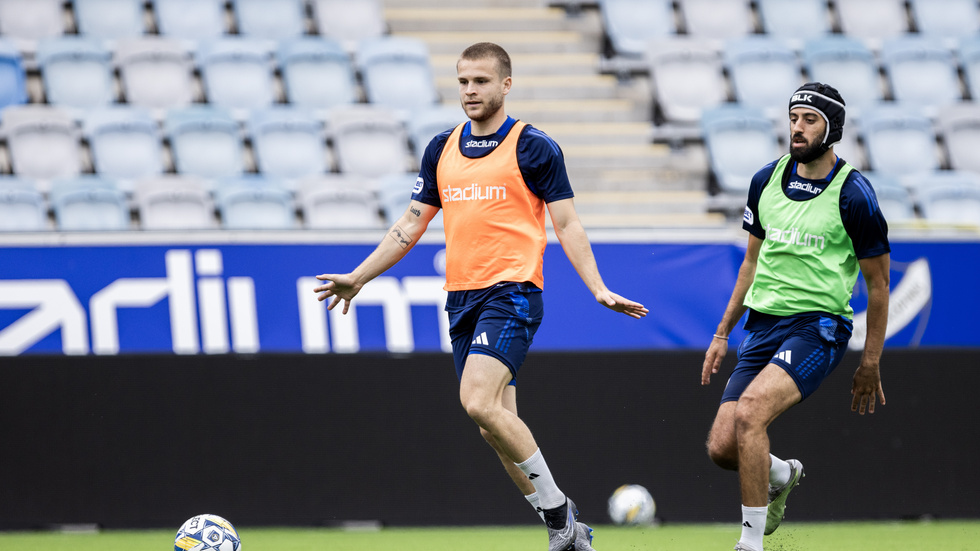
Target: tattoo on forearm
(416,211)
(401,237)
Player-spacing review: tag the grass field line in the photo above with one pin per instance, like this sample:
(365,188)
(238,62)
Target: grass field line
(792,536)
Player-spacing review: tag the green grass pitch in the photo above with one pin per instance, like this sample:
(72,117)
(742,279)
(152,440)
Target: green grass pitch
(799,536)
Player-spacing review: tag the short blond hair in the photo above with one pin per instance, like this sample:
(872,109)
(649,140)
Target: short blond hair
(485,50)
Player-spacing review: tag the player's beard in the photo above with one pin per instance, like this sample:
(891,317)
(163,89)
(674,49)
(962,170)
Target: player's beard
(490,107)
(807,154)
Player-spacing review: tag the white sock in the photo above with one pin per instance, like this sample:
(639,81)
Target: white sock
(536,469)
(753,526)
(536,503)
(779,472)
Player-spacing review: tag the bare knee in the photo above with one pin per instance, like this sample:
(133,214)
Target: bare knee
(723,451)
(749,416)
(480,411)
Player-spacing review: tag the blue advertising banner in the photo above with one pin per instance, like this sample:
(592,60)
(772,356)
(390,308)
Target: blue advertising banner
(248,298)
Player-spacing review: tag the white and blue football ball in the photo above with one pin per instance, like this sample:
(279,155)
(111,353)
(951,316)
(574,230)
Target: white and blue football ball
(632,504)
(207,533)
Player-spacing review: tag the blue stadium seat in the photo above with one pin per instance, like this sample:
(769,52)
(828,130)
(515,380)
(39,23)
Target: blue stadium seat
(739,141)
(395,194)
(89,203)
(335,201)
(237,72)
(317,73)
(109,19)
(630,24)
(949,20)
(26,21)
(899,140)
(688,77)
(922,71)
(43,142)
(348,22)
(396,73)
(155,72)
(959,126)
(795,21)
(848,65)
(171,202)
(368,140)
(763,72)
(273,19)
(949,197)
(206,142)
(717,21)
(873,21)
(22,206)
(969,57)
(255,202)
(13,79)
(77,72)
(125,143)
(191,20)
(894,199)
(288,143)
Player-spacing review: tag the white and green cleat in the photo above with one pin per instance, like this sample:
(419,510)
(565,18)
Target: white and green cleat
(777,496)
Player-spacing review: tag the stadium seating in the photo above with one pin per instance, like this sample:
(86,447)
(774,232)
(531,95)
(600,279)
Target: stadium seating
(687,77)
(43,142)
(22,206)
(77,72)
(124,143)
(763,71)
(368,140)
(395,194)
(849,148)
(333,201)
(959,126)
(155,72)
(191,20)
(795,21)
(739,140)
(848,65)
(272,19)
(872,21)
(89,203)
(109,19)
(348,22)
(205,141)
(949,197)
(630,24)
(894,199)
(969,58)
(13,79)
(396,73)
(317,73)
(716,21)
(921,71)
(256,203)
(237,72)
(949,20)
(170,202)
(899,140)
(27,21)
(288,143)
(425,125)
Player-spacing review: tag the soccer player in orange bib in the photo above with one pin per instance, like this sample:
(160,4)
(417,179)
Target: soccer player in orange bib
(493,176)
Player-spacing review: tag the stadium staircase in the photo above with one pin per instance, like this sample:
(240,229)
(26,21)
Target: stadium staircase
(601,121)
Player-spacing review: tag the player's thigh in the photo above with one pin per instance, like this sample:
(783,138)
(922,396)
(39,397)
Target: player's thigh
(483,382)
(722,443)
(771,393)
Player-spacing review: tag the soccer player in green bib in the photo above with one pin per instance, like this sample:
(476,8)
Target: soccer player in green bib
(813,224)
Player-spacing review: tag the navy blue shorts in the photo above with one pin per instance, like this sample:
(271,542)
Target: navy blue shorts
(498,321)
(807,346)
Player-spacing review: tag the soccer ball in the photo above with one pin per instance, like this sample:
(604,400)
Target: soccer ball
(207,533)
(631,504)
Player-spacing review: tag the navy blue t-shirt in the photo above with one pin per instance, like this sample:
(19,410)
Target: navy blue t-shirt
(859,212)
(540,159)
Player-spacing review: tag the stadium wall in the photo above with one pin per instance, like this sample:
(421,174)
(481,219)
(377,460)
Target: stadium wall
(325,439)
